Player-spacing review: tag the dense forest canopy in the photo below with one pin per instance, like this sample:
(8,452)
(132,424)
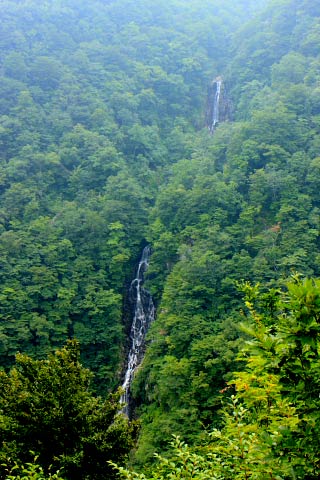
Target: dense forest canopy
(107,144)
(96,102)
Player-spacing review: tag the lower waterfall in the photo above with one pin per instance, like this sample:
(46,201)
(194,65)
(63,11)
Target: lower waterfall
(144,313)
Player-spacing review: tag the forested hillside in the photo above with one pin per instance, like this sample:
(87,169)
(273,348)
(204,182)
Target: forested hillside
(96,102)
(105,147)
(245,206)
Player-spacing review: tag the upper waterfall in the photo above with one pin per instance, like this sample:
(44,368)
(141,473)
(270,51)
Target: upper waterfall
(219,107)
(216,103)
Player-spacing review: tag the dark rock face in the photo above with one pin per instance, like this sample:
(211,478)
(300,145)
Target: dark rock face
(219,107)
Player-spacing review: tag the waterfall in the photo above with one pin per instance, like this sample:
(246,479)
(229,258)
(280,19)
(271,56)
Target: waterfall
(216,104)
(144,312)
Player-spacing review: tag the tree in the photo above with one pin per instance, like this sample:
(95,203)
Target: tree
(47,409)
(280,385)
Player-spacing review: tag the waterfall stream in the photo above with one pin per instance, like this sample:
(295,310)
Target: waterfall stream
(144,313)
(216,104)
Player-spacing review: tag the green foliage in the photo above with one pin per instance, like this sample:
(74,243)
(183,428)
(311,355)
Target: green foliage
(91,118)
(270,423)
(30,471)
(184,464)
(285,350)
(103,147)
(244,206)
(47,408)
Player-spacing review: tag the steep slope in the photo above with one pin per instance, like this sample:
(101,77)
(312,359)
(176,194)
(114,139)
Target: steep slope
(96,100)
(244,207)
(104,147)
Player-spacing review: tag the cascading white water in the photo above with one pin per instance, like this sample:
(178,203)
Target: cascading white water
(216,105)
(144,313)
